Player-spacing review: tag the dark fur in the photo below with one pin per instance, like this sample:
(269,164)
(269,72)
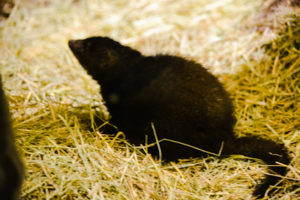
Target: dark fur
(183,100)
(11,167)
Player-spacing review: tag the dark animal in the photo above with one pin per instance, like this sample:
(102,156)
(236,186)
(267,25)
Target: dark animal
(11,167)
(183,101)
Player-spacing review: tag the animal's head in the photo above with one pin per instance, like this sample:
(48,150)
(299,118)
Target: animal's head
(101,55)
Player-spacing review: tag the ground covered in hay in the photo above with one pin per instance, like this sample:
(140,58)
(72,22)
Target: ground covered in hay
(54,102)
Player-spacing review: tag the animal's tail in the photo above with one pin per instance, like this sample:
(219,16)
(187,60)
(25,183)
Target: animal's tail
(268,151)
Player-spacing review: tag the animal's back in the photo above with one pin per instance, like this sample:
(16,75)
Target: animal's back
(180,97)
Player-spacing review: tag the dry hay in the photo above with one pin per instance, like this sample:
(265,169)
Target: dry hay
(53,101)
(270,16)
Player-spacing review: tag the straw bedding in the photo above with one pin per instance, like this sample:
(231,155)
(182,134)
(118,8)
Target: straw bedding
(54,103)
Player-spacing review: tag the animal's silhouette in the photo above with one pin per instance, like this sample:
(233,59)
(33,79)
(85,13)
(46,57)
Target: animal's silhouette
(181,98)
(11,167)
